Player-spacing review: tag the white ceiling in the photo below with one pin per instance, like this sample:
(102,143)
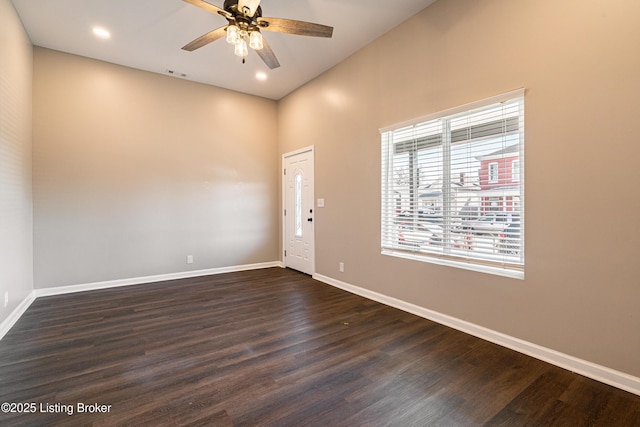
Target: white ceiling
(149,34)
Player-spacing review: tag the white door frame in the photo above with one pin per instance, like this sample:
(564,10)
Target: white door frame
(310,149)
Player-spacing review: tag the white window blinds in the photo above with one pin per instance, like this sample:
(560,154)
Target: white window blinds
(453,185)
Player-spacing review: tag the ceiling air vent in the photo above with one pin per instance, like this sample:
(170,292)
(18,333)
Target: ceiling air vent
(176,73)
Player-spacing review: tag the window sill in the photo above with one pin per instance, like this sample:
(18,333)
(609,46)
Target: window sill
(480,268)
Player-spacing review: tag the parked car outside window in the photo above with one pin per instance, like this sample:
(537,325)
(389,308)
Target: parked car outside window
(510,241)
(493,222)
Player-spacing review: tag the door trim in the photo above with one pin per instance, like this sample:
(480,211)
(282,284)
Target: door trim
(283,200)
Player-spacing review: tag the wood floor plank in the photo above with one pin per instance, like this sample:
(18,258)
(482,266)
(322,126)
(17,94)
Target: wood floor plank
(275,347)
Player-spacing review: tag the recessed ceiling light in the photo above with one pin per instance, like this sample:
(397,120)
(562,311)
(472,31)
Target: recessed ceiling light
(101,33)
(260,75)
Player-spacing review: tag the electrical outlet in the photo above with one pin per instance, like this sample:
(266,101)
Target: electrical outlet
(341,266)
(189,259)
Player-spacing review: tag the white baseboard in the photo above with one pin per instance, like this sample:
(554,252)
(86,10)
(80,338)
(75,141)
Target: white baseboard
(15,315)
(150,279)
(588,369)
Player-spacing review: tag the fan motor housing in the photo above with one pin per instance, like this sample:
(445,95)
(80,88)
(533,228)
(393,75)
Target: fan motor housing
(232,6)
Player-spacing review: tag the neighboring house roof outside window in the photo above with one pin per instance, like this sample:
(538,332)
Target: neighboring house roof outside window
(503,153)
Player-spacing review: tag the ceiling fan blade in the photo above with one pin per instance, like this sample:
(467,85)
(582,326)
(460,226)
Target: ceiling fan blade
(251,5)
(267,55)
(205,39)
(208,6)
(290,26)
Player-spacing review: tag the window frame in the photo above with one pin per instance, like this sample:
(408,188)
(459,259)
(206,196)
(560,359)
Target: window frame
(508,269)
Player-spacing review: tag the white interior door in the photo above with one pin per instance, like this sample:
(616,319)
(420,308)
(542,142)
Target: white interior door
(299,211)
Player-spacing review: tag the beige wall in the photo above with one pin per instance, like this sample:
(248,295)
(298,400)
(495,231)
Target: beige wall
(579,64)
(16,237)
(133,171)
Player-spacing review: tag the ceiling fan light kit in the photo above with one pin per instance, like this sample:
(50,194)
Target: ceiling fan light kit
(244,24)
(238,38)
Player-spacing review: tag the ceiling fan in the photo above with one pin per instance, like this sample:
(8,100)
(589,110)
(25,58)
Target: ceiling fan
(245,23)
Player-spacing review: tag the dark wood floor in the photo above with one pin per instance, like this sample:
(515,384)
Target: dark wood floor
(275,347)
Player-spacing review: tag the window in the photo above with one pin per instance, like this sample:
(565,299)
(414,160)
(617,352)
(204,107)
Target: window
(493,172)
(494,205)
(298,204)
(515,170)
(447,195)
